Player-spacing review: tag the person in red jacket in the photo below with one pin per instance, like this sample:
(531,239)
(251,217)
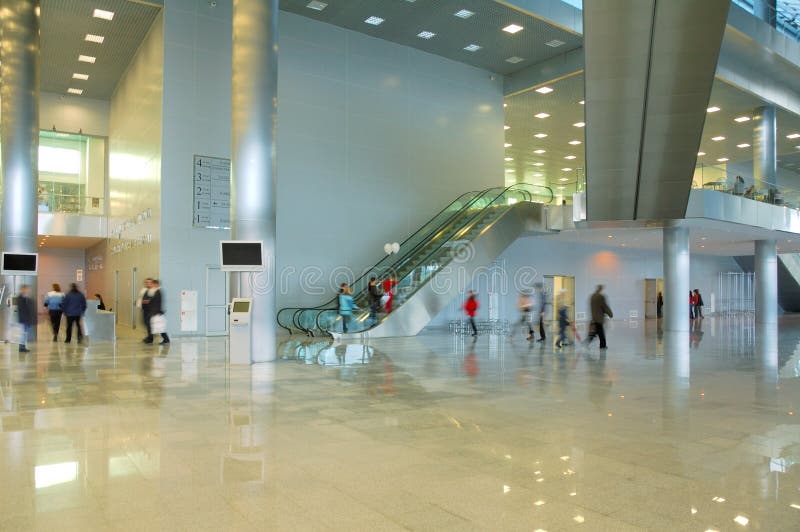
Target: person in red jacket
(388,285)
(471,308)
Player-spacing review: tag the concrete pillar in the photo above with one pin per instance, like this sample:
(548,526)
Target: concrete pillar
(766,371)
(19,131)
(764,147)
(676,279)
(766,266)
(253,172)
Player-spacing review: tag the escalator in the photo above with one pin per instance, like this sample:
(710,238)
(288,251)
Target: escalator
(434,263)
(788,278)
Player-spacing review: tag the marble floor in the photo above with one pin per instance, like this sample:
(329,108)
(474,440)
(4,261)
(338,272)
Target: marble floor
(665,432)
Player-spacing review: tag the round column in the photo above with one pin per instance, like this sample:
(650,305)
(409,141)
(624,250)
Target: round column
(764,147)
(766,266)
(676,279)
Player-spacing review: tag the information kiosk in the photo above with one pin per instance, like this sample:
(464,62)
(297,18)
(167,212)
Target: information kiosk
(240,330)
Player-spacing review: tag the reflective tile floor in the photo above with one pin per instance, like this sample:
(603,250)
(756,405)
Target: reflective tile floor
(667,432)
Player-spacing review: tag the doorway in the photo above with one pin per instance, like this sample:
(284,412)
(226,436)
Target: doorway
(560,290)
(134,296)
(652,287)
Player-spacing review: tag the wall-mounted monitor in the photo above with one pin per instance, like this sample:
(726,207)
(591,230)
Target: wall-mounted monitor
(241,256)
(19,263)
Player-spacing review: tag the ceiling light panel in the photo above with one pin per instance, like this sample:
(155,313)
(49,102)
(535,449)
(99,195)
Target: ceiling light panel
(539,152)
(569,157)
(718,138)
(105,15)
(87,59)
(374,21)
(544,90)
(741,119)
(472,47)
(463,13)
(514,59)
(541,115)
(77,75)
(540,135)
(712,109)
(426,34)
(723,159)
(75,91)
(513,28)
(579,124)
(566,169)
(793,136)
(90,37)
(743,145)
(575,142)
(555,43)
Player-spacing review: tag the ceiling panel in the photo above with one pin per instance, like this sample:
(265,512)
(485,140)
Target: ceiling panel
(64,26)
(404,19)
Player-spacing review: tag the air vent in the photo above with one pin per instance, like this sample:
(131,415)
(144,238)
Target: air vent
(555,43)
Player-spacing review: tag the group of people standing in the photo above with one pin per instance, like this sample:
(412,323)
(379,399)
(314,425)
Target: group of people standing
(695,305)
(380,296)
(72,305)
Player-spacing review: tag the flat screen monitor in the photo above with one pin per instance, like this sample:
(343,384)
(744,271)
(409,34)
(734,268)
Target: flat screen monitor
(241,256)
(241,306)
(19,263)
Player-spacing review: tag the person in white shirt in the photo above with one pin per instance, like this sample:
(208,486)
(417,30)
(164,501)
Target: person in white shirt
(53,302)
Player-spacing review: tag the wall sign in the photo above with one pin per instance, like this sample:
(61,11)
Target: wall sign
(212,192)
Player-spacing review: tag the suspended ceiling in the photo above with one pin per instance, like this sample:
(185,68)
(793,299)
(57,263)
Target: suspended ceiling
(64,26)
(404,19)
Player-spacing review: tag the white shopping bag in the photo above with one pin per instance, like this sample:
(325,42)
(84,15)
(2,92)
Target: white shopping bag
(17,334)
(158,324)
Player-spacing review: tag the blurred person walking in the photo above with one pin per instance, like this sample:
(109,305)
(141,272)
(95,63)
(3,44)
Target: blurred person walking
(54,303)
(600,309)
(156,308)
(74,308)
(346,305)
(698,304)
(471,308)
(26,316)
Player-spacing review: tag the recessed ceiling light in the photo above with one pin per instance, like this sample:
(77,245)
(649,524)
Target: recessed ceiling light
(569,157)
(539,152)
(75,91)
(562,179)
(713,109)
(537,175)
(514,59)
(508,159)
(566,169)
(718,138)
(538,164)
(463,13)
(579,124)
(793,136)
(507,145)
(373,20)
(87,59)
(426,35)
(722,159)
(544,90)
(610,236)
(472,47)
(513,28)
(540,135)
(509,170)
(741,520)
(574,142)
(316,5)
(701,153)
(506,127)
(90,37)
(743,145)
(103,14)
(741,119)
(559,188)
(555,43)
(541,115)
(582,102)
(80,76)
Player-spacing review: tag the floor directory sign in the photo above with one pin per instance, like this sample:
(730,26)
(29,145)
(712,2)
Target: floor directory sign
(212,192)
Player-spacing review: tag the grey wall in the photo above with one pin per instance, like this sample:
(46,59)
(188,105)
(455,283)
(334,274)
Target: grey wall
(621,270)
(373,139)
(59,265)
(71,114)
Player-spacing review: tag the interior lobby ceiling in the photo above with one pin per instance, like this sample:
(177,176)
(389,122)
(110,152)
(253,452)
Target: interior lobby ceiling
(403,20)
(64,27)
(563,106)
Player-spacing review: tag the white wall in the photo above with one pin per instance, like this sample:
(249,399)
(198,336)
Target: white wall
(59,265)
(134,178)
(71,114)
(373,139)
(621,270)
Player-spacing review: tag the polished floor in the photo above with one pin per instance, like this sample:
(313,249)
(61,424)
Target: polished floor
(666,432)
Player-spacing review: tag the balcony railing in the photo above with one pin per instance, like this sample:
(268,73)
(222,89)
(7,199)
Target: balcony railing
(708,177)
(71,204)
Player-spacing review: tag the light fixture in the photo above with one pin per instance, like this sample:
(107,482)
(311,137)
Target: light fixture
(103,14)
(718,138)
(84,77)
(559,188)
(722,159)
(555,43)
(574,142)
(539,152)
(374,21)
(541,115)
(741,520)
(544,90)
(540,135)
(75,91)
(537,175)
(566,169)
(582,102)
(513,28)
(507,145)
(90,37)
(793,136)
(472,47)
(569,157)
(508,159)
(87,58)
(562,179)
(506,127)
(514,59)
(743,145)
(610,236)
(538,164)
(426,35)
(712,109)
(463,13)
(701,153)
(741,119)
(316,5)
(579,124)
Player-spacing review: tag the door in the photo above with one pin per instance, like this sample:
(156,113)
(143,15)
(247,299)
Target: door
(563,295)
(216,305)
(134,296)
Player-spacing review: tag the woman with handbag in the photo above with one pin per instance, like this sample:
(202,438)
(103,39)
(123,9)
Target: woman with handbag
(158,322)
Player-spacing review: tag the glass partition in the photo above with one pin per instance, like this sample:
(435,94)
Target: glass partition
(72,173)
(719,178)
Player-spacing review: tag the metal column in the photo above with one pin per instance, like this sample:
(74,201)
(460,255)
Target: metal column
(766,282)
(676,279)
(19,132)
(764,147)
(253,172)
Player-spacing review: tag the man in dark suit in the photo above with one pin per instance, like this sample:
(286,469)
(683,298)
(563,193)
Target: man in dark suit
(155,307)
(26,315)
